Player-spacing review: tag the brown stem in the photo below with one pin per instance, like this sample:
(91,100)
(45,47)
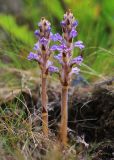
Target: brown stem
(44,107)
(64,115)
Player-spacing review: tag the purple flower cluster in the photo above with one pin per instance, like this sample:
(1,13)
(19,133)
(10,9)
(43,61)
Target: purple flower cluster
(65,48)
(41,49)
(69,64)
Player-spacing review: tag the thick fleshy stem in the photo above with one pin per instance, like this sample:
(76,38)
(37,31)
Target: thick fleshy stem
(64,115)
(44,106)
(67,61)
(65,58)
(42,55)
(64,95)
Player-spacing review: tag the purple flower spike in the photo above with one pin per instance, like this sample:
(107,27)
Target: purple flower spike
(32,56)
(78,60)
(53,69)
(73,33)
(79,44)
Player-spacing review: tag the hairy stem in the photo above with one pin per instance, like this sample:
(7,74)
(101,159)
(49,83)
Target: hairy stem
(44,107)
(64,115)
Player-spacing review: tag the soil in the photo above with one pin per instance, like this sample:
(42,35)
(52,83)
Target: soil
(91,113)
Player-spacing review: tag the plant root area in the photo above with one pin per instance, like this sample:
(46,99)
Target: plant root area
(90,114)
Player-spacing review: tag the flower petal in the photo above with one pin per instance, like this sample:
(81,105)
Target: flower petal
(78,60)
(49,63)
(48,29)
(36,47)
(37,33)
(75,70)
(75,23)
(53,69)
(32,56)
(43,41)
(79,44)
(55,47)
(73,33)
(63,23)
(56,37)
(59,58)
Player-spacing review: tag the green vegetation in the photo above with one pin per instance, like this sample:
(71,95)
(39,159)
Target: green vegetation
(96,23)
(96,28)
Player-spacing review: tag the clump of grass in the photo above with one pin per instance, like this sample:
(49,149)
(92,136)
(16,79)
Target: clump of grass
(17,131)
(20,140)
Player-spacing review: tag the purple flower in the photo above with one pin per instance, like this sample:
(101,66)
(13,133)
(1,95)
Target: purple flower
(59,58)
(63,24)
(42,47)
(51,34)
(74,24)
(49,63)
(64,48)
(75,70)
(36,47)
(79,44)
(48,29)
(73,33)
(37,33)
(48,25)
(55,47)
(32,56)
(61,48)
(53,69)
(39,24)
(43,41)
(56,37)
(78,60)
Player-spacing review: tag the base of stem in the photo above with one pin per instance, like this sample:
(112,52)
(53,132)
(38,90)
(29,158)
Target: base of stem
(45,123)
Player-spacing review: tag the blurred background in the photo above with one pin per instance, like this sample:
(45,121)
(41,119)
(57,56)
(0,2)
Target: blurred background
(19,18)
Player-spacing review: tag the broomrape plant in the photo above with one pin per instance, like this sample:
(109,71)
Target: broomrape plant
(69,65)
(41,55)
